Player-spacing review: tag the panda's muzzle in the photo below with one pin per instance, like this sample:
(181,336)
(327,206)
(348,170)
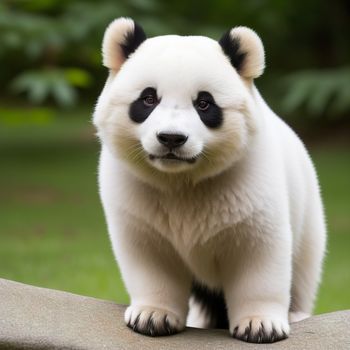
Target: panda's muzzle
(172,141)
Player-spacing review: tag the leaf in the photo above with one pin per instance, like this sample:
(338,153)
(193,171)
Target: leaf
(34,84)
(63,93)
(298,89)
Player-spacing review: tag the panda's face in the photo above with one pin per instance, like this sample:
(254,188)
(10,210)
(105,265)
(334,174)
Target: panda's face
(176,106)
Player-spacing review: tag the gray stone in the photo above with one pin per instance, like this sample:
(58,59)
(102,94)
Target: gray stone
(38,318)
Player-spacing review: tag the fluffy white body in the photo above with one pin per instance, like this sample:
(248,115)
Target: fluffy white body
(245,217)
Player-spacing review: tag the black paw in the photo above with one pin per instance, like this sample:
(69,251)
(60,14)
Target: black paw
(152,322)
(261,330)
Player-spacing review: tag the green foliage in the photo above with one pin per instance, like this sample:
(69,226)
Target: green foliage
(58,83)
(319,91)
(43,38)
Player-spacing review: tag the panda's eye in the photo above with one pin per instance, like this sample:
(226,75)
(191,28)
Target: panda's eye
(149,101)
(207,109)
(144,105)
(203,105)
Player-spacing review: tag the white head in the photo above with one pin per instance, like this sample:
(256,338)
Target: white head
(178,107)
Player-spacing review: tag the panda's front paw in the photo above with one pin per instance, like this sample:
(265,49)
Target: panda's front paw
(260,329)
(152,321)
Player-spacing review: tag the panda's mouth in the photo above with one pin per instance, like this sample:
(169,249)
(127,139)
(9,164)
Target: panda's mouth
(172,157)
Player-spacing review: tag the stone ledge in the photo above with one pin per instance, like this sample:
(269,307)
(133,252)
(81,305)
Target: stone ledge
(38,318)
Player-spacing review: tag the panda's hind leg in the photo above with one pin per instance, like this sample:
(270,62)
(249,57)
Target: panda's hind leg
(307,268)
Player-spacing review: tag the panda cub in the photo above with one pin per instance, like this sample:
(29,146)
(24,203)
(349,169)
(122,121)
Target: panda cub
(212,202)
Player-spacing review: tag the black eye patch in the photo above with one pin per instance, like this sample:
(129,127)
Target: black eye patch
(141,108)
(209,112)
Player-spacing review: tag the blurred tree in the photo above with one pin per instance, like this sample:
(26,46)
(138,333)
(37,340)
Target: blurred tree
(319,91)
(51,48)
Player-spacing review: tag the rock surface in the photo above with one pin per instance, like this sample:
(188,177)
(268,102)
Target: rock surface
(38,318)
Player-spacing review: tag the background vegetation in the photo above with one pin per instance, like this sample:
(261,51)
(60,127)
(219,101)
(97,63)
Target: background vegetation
(51,224)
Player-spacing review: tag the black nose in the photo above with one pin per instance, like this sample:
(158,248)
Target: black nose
(171,140)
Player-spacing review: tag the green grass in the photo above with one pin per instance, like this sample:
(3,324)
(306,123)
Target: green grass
(52,231)
(333,166)
(52,228)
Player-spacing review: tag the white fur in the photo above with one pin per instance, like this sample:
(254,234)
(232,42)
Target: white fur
(197,317)
(246,217)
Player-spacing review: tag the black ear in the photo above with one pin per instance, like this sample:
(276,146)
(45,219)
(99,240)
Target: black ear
(245,50)
(122,38)
(133,39)
(231,48)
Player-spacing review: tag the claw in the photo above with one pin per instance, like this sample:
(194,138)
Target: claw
(134,327)
(259,334)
